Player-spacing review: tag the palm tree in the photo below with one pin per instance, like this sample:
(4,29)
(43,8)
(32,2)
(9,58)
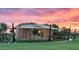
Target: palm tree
(3,28)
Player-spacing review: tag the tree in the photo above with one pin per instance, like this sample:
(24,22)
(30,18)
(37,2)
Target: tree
(55,31)
(3,28)
(55,26)
(65,32)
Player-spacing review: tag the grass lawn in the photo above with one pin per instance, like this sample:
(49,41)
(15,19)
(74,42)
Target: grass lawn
(73,45)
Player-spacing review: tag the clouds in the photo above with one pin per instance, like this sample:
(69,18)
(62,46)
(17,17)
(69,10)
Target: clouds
(7,10)
(31,11)
(39,15)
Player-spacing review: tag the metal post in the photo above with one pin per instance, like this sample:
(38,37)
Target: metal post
(74,33)
(50,33)
(69,30)
(13,33)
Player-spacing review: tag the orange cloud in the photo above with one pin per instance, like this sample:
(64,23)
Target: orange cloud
(60,16)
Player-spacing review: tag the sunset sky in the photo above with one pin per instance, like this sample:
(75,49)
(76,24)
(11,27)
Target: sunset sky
(60,16)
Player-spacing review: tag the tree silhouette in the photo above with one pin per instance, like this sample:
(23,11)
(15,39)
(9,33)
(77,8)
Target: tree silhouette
(66,32)
(3,28)
(55,26)
(55,31)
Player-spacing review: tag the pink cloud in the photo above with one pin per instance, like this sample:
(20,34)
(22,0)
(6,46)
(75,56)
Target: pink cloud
(39,15)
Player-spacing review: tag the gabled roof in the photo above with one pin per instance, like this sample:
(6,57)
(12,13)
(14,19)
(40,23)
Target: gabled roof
(34,25)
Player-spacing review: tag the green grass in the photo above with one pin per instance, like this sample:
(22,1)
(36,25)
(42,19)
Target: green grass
(73,45)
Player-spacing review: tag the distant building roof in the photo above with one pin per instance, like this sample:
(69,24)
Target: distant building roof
(34,25)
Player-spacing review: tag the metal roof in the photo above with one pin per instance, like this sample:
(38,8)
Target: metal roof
(37,26)
(28,26)
(46,27)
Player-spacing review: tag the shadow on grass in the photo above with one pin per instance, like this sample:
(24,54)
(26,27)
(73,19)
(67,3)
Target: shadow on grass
(37,41)
(31,41)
